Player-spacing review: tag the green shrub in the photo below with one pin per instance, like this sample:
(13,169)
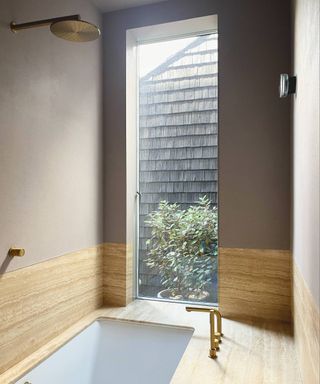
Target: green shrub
(183,246)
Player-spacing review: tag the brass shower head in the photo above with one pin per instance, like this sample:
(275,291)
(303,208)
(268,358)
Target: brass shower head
(70,28)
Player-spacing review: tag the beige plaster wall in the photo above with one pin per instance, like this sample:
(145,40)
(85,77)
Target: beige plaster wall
(50,135)
(254,124)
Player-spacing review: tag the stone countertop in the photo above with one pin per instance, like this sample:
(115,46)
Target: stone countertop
(250,352)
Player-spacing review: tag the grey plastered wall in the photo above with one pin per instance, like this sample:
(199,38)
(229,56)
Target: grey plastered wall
(306,127)
(254,124)
(50,135)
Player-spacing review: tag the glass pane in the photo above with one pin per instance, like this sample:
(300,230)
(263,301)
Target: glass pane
(178,169)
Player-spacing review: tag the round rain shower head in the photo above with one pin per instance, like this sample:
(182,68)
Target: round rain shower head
(75,30)
(70,28)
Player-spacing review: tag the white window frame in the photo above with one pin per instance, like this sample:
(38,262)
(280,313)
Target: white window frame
(134,38)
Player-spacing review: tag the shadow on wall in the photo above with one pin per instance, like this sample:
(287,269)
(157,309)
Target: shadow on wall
(5,264)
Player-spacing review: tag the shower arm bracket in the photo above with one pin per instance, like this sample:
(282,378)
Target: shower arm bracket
(41,23)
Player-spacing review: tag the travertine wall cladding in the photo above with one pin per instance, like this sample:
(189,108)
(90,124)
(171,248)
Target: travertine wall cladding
(255,283)
(38,302)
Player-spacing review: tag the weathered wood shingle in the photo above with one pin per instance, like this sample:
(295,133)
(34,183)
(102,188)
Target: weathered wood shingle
(178,136)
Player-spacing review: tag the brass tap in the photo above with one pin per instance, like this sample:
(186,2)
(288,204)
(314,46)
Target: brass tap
(14,251)
(215,336)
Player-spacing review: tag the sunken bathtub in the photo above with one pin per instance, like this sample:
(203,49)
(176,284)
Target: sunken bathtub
(115,352)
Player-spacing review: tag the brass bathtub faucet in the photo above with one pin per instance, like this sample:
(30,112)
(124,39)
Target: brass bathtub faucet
(14,251)
(215,336)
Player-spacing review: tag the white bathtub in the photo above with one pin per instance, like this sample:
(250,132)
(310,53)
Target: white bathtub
(115,352)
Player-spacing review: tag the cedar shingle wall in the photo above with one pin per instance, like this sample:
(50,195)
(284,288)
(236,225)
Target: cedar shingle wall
(178,137)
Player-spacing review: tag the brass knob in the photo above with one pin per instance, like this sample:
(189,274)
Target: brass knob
(13,251)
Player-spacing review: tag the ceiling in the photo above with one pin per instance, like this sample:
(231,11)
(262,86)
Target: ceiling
(113,5)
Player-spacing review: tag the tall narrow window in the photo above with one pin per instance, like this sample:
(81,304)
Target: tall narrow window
(178,169)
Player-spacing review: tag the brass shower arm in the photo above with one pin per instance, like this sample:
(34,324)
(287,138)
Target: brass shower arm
(41,23)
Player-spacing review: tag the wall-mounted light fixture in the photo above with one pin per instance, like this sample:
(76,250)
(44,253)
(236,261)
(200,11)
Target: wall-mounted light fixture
(287,85)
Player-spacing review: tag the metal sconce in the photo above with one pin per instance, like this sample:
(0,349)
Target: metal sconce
(287,85)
